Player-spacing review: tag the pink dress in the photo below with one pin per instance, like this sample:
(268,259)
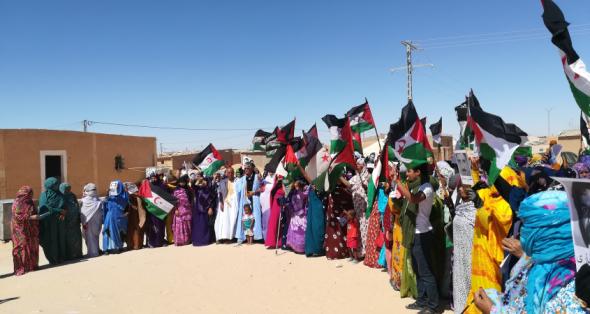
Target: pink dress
(181,224)
(273,220)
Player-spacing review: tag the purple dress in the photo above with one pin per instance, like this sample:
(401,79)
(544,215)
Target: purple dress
(181,225)
(205,198)
(298,220)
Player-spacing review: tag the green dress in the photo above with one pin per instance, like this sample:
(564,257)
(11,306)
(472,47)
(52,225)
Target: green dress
(52,236)
(72,223)
(408,221)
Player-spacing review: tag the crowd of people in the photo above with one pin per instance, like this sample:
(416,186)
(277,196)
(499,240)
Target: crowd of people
(500,248)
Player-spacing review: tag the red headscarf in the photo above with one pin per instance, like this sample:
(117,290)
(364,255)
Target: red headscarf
(23,204)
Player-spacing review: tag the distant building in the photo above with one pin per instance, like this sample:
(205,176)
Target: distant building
(571,140)
(234,157)
(28,157)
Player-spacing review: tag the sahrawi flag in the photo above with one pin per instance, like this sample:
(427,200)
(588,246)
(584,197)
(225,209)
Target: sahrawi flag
(279,137)
(409,140)
(465,134)
(497,140)
(313,157)
(574,68)
(209,160)
(379,174)
(436,130)
(158,201)
(341,150)
(361,118)
(258,142)
(287,163)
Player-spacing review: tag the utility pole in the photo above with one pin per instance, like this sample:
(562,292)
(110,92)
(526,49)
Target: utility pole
(85,125)
(410,47)
(549,121)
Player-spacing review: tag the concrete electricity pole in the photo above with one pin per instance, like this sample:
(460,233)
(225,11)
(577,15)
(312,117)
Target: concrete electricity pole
(549,121)
(410,47)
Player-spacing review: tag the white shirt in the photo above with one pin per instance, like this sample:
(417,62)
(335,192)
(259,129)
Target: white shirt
(423,218)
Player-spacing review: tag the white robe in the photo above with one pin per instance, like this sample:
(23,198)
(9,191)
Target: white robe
(225,222)
(265,203)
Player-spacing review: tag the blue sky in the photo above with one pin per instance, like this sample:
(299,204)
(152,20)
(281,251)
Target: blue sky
(251,64)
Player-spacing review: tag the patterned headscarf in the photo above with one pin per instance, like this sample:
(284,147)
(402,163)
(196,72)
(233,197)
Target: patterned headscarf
(582,170)
(546,237)
(23,203)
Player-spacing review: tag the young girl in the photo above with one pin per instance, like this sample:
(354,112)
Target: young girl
(248,223)
(352,235)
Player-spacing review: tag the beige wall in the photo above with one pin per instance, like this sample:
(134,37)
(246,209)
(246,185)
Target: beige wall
(229,155)
(570,143)
(90,158)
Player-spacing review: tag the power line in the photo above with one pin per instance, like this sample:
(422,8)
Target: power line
(495,40)
(89,122)
(492,34)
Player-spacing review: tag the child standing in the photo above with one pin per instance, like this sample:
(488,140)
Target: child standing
(352,235)
(248,223)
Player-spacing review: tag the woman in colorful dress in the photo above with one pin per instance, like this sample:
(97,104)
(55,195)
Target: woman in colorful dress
(298,222)
(358,186)
(52,229)
(115,219)
(397,249)
(136,218)
(24,232)
(339,201)
(374,231)
(91,214)
(543,281)
(182,223)
(73,231)
(277,194)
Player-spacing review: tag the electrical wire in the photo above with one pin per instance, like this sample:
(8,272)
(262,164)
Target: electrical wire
(174,128)
(533,30)
(481,39)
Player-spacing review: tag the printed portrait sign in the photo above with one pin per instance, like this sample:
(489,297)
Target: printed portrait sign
(578,191)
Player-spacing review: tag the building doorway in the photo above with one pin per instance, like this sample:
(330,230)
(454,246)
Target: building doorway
(53,164)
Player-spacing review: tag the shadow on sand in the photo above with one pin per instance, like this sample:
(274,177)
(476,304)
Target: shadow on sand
(8,300)
(49,266)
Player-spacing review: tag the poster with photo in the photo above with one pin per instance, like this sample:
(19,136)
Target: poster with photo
(464,164)
(578,191)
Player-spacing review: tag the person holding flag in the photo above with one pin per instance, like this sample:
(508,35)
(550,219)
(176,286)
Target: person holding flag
(423,197)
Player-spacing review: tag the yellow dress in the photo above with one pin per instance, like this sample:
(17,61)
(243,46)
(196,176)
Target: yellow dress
(397,250)
(492,223)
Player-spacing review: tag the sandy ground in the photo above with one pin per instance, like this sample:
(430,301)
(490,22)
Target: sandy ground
(212,279)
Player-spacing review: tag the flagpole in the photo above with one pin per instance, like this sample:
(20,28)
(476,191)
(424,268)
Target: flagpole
(378,140)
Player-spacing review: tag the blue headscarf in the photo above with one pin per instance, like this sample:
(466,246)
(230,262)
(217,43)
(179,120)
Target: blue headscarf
(116,203)
(546,237)
(381,201)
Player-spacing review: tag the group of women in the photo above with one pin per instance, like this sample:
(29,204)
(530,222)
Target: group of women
(502,247)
